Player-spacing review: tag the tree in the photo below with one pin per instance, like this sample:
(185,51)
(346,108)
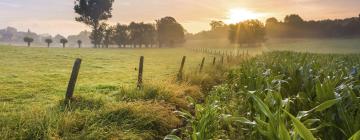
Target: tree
(135,34)
(149,34)
(271,21)
(92,13)
(247,32)
(48,41)
(169,31)
(108,35)
(216,25)
(121,35)
(79,42)
(28,40)
(98,36)
(293,19)
(63,41)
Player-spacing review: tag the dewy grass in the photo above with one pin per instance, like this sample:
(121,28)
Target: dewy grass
(33,83)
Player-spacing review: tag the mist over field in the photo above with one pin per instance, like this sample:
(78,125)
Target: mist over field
(180,70)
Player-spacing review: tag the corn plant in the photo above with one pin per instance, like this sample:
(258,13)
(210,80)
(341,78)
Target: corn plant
(285,95)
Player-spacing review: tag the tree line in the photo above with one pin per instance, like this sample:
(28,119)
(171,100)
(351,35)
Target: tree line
(252,32)
(49,41)
(294,26)
(165,32)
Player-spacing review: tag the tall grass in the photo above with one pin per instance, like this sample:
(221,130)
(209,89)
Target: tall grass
(126,113)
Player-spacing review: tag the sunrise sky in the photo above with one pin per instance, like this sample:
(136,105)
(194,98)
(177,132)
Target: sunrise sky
(57,16)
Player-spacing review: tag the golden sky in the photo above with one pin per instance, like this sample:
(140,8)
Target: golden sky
(57,16)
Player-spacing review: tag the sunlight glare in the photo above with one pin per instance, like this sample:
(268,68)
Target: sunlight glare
(238,15)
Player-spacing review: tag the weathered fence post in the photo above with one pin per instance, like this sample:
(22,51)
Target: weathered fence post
(214,61)
(180,74)
(140,76)
(202,64)
(72,81)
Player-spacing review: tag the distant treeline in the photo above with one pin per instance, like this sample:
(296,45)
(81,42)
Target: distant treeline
(166,32)
(295,26)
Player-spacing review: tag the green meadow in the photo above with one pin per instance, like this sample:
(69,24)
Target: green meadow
(107,104)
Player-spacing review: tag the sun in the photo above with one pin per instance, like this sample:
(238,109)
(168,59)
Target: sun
(237,15)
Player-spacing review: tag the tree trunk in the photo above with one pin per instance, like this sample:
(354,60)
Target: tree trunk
(63,45)
(28,44)
(48,45)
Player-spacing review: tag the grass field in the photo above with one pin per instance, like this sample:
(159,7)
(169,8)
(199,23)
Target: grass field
(107,105)
(34,80)
(31,74)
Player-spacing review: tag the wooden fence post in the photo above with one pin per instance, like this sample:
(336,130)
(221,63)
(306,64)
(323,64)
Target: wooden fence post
(202,64)
(72,82)
(214,61)
(180,74)
(140,76)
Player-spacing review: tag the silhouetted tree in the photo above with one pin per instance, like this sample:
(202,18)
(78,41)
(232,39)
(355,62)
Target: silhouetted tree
(63,41)
(293,20)
(169,31)
(79,42)
(48,41)
(271,21)
(108,36)
(295,26)
(247,32)
(92,12)
(219,30)
(216,25)
(149,34)
(28,40)
(135,34)
(121,35)
(98,36)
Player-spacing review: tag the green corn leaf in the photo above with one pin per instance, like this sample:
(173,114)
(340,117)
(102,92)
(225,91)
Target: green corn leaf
(356,136)
(300,128)
(283,132)
(310,122)
(325,105)
(262,106)
(261,123)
